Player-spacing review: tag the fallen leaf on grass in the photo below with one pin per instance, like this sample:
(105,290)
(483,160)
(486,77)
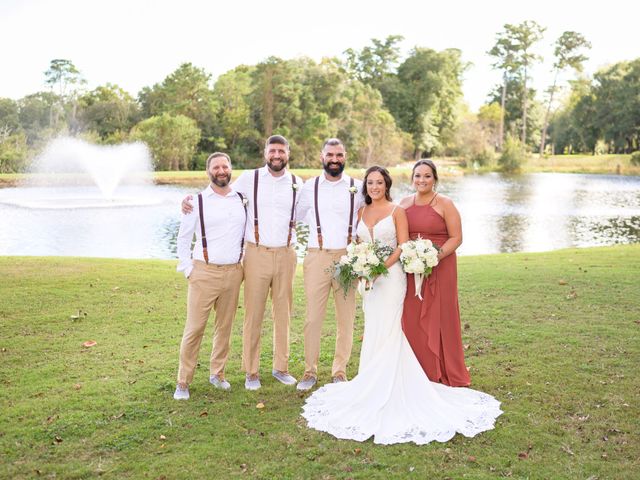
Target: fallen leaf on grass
(572,294)
(203,413)
(466,346)
(523,455)
(52,418)
(162,437)
(115,289)
(357,451)
(604,456)
(471,458)
(260,405)
(243,467)
(89,344)
(57,439)
(77,386)
(562,282)
(566,449)
(116,417)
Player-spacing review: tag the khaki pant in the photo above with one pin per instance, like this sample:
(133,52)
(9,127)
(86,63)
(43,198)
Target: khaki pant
(267,269)
(210,286)
(318,283)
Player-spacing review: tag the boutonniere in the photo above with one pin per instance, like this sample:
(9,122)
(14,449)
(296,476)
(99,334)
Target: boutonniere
(353,190)
(295,187)
(245,201)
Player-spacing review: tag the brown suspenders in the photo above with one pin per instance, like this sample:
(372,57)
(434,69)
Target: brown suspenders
(202,232)
(205,253)
(292,223)
(315,204)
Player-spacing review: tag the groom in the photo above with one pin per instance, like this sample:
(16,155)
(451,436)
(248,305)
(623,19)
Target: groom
(329,205)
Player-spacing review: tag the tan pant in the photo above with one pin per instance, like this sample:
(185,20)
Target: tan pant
(210,286)
(267,269)
(318,283)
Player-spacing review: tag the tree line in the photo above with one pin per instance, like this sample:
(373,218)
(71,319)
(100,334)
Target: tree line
(386,106)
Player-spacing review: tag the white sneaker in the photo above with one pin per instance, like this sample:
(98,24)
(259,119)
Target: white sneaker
(283,377)
(307,382)
(181,393)
(218,382)
(252,382)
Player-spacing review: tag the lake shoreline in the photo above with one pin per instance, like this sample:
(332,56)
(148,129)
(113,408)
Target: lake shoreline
(447,166)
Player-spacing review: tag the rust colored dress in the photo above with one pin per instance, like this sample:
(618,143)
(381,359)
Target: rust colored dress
(432,325)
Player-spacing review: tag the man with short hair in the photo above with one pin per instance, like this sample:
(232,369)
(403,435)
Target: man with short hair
(213,270)
(329,205)
(270,261)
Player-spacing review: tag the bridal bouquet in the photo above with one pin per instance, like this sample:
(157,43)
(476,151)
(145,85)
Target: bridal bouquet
(419,257)
(364,261)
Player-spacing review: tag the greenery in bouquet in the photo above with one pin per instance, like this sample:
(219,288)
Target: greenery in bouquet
(363,260)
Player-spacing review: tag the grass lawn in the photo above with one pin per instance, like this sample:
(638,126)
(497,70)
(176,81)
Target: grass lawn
(555,336)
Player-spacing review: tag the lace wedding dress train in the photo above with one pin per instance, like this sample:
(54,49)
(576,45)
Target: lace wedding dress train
(391,399)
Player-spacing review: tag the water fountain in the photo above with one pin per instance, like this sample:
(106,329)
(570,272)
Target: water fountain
(72,173)
(89,200)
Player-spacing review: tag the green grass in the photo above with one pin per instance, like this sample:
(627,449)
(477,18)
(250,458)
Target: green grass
(554,336)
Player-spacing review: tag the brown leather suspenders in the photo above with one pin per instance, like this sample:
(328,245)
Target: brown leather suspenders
(353,194)
(202,232)
(256,233)
(315,204)
(292,223)
(244,204)
(205,253)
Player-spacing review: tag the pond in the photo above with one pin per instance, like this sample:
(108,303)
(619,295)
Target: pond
(525,213)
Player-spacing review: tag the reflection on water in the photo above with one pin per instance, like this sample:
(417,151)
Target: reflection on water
(499,214)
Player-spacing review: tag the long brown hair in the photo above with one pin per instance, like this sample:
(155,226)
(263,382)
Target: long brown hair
(387,181)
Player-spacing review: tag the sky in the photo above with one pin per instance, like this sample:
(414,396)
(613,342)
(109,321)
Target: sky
(137,43)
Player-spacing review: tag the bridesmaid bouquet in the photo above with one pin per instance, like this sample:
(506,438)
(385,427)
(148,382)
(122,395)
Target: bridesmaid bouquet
(418,257)
(363,261)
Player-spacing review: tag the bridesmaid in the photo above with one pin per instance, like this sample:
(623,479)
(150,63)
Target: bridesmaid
(432,325)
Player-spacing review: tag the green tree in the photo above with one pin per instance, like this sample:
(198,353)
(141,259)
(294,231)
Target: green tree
(368,129)
(504,52)
(13,151)
(234,117)
(171,139)
(423,97)
(374,64)
(109,111)
(63,76)
(617,105)
(9,115)
(35,114)
(514,55)
(568,54)
(186,92)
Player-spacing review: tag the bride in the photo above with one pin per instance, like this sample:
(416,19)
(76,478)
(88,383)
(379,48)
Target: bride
(391,398)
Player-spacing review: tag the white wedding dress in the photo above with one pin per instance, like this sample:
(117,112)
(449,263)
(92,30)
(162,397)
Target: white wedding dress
(391,398)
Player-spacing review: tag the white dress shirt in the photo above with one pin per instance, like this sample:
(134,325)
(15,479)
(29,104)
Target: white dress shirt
(334,202)
(224,224)
(275,195)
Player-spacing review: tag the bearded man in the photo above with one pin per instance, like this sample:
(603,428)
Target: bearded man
(214,271)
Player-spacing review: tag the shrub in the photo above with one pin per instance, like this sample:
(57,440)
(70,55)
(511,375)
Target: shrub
(513,155)
(484,157)
(635,158)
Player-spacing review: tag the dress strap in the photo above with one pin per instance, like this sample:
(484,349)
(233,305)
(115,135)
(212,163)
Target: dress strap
(432,198)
